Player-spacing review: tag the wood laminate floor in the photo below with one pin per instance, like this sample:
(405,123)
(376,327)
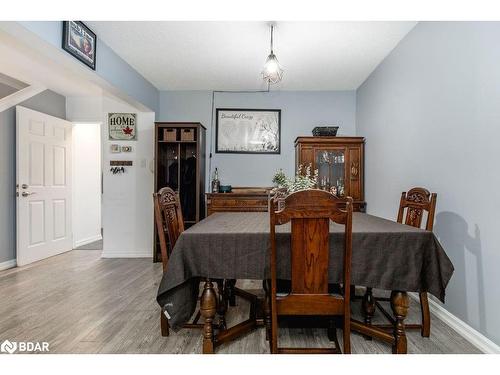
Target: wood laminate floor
(80,303)
(97,245)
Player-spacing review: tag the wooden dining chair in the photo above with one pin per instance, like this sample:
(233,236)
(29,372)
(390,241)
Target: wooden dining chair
(309,213)
(412,207)
(169,221)
(169,224)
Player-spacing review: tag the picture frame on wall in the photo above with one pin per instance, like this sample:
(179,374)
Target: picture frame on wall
(79,41)
(248,131)
(122,126)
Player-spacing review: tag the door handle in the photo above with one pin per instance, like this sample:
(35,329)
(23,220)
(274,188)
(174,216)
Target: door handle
(24,186)
(25,194)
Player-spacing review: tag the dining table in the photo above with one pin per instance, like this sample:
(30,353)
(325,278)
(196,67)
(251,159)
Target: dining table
(235,245)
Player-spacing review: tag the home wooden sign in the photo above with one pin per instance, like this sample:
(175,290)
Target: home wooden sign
(122,126)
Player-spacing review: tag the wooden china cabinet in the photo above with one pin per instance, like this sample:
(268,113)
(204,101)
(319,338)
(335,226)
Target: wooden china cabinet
(340,164)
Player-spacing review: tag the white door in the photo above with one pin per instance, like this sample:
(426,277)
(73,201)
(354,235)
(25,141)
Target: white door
(43,167)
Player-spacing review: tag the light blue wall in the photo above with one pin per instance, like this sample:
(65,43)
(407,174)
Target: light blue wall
(109,65)
(301,111)
(430,113)
(48,102)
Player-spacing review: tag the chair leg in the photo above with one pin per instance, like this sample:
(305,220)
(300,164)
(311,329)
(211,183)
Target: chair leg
(273,342)
(230,284)
(347,334)
(221,304)
(332,331)
(426,315)
(164,324)
(368,308)
(267,312)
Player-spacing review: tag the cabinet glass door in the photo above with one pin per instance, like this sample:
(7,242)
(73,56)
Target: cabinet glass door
(187,181)
(168,166)
(331,170)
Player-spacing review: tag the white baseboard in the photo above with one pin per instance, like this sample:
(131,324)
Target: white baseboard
(476,338)
(8,264)
(126,254)
(86,241)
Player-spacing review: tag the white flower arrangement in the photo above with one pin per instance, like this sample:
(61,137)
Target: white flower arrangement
(303,179)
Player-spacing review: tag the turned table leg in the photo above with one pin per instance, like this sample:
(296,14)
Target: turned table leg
(368,308)
(208,308)
(399,306)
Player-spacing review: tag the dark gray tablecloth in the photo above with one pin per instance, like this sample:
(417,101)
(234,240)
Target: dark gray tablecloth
(386,255)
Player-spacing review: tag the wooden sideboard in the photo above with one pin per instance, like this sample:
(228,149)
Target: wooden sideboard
(340,162)
(241,199)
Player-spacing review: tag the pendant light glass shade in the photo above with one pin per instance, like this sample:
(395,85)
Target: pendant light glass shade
(272,71)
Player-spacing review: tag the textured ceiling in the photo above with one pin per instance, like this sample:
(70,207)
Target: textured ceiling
(230,55)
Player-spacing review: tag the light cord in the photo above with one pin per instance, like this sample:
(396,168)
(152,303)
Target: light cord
(212,144)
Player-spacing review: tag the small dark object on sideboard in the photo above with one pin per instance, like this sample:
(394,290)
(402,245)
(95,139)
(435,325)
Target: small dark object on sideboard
(225,189)
(325,131)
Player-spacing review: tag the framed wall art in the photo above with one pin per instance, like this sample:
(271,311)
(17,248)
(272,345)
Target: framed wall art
(80,41)
(248,131)
(122,126)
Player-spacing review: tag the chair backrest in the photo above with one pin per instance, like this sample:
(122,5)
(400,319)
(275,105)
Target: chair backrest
(169,220)
(309,213)
(416,201)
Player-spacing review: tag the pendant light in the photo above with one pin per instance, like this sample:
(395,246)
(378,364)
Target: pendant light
(272,71)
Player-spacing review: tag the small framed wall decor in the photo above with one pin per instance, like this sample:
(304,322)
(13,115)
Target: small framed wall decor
(248,131)
(122,126)
(114,148)
(80,41)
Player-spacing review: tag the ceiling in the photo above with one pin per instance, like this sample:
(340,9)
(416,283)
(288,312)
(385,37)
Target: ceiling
(213,55)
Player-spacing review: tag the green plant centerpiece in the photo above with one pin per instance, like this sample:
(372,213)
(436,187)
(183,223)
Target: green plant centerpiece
(303,179)
(279,179)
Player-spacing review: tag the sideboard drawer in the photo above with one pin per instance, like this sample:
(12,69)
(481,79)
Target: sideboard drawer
(240,200)
(243,202)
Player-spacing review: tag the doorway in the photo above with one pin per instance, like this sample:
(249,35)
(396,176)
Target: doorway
(87,186)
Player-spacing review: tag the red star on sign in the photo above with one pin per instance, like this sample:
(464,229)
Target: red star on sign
(127,130)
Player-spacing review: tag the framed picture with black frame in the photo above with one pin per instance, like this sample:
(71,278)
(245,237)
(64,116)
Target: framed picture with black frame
(248,131)
(79,41)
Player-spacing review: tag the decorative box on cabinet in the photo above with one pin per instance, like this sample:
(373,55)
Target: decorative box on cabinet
(241,199)
(340,163)
(180,165)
